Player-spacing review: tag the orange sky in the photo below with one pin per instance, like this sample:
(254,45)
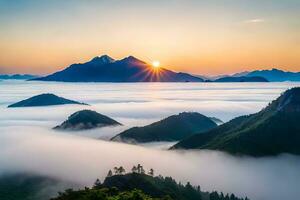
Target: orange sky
(199,37)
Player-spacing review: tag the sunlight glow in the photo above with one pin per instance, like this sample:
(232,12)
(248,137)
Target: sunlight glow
(156,64)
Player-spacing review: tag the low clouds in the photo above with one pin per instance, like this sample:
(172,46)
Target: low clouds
(81,160)
(28,144)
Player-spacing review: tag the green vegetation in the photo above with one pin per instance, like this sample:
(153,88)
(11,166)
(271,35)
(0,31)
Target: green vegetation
(105,194)
(138,185)
(86,119)
(173,128)
(29,187)
(273,130)
(43,100)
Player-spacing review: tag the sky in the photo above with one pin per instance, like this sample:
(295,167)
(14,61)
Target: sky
(206,37)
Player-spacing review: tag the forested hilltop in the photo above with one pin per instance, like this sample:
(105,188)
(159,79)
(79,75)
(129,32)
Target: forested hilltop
(139,185)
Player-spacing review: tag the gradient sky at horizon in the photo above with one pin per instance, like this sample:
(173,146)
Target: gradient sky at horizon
(196,36)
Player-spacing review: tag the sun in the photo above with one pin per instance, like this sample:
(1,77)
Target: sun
(155,64)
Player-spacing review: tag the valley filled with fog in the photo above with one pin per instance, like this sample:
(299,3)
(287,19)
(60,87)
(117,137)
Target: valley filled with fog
(29,145)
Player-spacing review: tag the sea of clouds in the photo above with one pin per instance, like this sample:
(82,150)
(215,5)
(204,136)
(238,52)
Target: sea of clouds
(28,144)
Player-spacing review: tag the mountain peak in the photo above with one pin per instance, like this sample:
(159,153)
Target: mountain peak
(132,59)
(104,59)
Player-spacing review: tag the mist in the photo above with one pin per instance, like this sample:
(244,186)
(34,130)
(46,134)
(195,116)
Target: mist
(28,143)
(81,160)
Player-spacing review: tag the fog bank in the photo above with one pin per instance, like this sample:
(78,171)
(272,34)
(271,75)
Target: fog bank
(82,160)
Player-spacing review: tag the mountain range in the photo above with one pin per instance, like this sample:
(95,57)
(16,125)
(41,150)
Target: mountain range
(273,75)
(276,75)
(106,69)
(273,130)
(131,69)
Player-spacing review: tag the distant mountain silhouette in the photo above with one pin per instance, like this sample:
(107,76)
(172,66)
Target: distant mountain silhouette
(106,69)
(43,100)
(86,119)
(173,128)
(242,79)
(17,76)
(275,75)
(273,130)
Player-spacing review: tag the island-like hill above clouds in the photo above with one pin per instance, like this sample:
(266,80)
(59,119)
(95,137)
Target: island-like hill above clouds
(86,119)
(273,130)
(173,128)
(106,69)
(43,100)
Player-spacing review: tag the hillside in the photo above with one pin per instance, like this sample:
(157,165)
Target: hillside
(173,128)
(44,100)
(86,119)
(143,187)
(272,131)
(106,69)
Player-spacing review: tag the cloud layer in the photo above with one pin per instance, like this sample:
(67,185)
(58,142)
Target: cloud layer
(28,144)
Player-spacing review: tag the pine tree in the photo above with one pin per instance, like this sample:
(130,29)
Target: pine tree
(134,169)
(151,172)
(121,170)
(97,183)
(116,170)
(109,174)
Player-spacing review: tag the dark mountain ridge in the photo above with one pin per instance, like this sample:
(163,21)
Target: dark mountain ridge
(241,79)
(106,69)
(272,75)
(276,75)
(273,130)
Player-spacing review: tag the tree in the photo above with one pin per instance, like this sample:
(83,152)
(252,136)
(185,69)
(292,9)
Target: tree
(232,197)
(116,170)
(121,170)
(142,170)
(139,166)
(134,169)
(97,183)
(151,172)
(109,174)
